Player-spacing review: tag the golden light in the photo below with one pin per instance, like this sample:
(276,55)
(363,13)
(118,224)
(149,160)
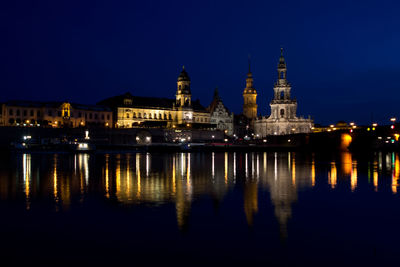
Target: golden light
(374,124)
(393,119)
(351,123)
(331,125)
(27,121)
(346,140)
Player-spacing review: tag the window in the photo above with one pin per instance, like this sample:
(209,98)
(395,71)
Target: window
(282,95)
(95,116)
(145,115)
(90,115)
(160,116)
(127,101)
(38,113)
(25,112)
(108,116)
(10,112)
(282,113)
(80,114)
(127,115)
(32,112)
(59,113)
(165,116)
(170,117)
(50,113)
(134,115)
(140,115)
(102,117)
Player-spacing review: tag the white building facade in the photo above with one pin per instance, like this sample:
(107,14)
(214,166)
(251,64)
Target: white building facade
(283,119)
(220,115)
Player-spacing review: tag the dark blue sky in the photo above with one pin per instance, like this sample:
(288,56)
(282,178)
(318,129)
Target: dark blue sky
(343,56)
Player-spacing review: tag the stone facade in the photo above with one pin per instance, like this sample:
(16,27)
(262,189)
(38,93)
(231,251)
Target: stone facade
(54,114)
(220,115)
(250,98)
(136,111)
(283,119)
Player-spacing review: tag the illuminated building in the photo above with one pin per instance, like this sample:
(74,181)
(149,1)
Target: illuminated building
(283,119)
(250,98)
(54,114)
(137,111)
(220,115)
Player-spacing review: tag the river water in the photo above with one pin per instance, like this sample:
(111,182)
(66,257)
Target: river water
(196,209)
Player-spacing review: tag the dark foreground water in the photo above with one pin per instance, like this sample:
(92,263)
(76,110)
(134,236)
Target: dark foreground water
(206,209)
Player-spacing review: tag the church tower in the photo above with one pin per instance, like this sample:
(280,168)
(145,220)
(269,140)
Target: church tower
(250,97)
(282,106)
(183,93)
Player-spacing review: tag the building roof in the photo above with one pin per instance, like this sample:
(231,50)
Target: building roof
(214,103)
(145,102)
(53,104)
(184,76)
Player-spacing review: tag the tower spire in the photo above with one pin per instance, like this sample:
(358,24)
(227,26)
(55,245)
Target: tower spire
(249,63)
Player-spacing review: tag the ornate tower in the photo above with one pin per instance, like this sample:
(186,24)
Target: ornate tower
(282,106)
(250,97)
(183,94)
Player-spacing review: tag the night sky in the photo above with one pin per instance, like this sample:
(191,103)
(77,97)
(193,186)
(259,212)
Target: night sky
(343,56)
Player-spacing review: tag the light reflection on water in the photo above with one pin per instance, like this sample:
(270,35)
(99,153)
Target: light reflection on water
(181,178)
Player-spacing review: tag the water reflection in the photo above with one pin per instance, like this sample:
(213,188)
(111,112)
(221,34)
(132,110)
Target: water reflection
(183,178)
(26,158)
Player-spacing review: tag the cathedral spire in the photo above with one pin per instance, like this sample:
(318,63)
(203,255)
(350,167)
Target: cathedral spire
(282,67)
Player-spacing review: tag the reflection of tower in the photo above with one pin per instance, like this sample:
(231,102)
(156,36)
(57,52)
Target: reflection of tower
(250,201)
(283,192)
(183,190)
(250,97)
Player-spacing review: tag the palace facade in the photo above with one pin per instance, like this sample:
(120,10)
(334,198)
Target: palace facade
(138,111)
(283,119)
(54,114)
(220,114)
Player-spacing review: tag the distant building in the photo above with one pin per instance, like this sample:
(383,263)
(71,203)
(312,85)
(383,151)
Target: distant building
(220,115)
(137,111)
(54,114)
(283,119)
